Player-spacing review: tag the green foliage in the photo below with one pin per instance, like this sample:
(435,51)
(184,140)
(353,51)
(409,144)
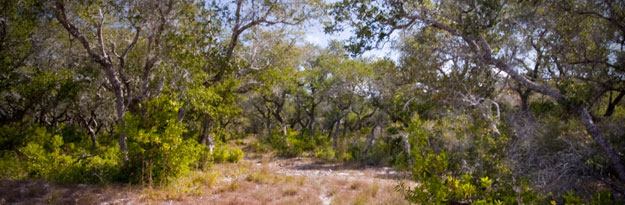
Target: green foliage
(450,175)
(13,136)
(603,197)
(570,198)
(389,151)
(296,143)
(58,91)
(288,145)
(156,149)
(325,153)
(226,153)
(48,155)
(12,166)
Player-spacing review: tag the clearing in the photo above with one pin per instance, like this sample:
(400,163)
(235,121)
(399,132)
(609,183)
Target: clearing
(254,180)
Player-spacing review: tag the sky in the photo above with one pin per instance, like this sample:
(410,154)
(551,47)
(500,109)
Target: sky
(315,35)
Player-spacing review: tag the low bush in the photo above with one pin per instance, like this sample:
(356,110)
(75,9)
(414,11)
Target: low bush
(226,153)
(48,155)
(325,153)
(462,167)
(157,151)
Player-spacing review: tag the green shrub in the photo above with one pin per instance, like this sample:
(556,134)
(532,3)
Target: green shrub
(288,145)
(48,156)
(603,197)
(325,153)
(220,153)
(388,151)
(157,151)
(226,153)
(462,166)
(296,143)
(259,147)
(570,198)
(12,166)
(235,154)
(13,136)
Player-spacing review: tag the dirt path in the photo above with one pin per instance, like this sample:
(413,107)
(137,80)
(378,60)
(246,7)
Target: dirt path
(306,181)
(333,178)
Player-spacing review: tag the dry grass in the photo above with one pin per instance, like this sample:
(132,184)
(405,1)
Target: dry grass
(356,185)
(363,191)
(289,190)
(41,192)
(263,176)
(265,181)
(193,184)
(230,187)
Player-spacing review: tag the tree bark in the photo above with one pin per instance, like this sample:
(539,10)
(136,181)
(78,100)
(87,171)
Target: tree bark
(407,148)
(206,137)
(612,104)
(268,127)
(120,108)
(602,141)
(370,138)
(335,134)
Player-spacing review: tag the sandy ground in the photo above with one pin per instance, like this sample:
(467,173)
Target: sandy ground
(258,180)
(320,183)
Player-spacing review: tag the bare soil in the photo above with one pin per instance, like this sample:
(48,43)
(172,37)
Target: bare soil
(257,180)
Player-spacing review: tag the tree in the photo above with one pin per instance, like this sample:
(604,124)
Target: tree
(488,28)
(129,21)
(241,16)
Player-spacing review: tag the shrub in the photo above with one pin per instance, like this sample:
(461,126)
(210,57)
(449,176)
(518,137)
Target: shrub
(296,143)
(157,151)
(225,153)
(13,136)
(462,167)
(47,155)
(235,154)
(325,153)
(288,145)
(11,166)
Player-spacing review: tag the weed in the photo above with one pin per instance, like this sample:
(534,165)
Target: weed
(289,191)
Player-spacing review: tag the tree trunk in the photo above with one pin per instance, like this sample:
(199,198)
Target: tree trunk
(205,135)
(370,139)
(335,134)
(603,142)
(612,104)
(92,135)
(311,126)
(331,129)
(524,95)
(268,127)
(120,108)
(407,149)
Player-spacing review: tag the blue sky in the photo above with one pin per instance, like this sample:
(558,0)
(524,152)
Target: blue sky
(315,35)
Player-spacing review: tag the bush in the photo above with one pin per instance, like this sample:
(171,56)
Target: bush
(288,145)
(225,153)
(325,153)
(157,151)
(13,136)
(296,143)
(47,155)
(11,166)
(235,155)
(462,167)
